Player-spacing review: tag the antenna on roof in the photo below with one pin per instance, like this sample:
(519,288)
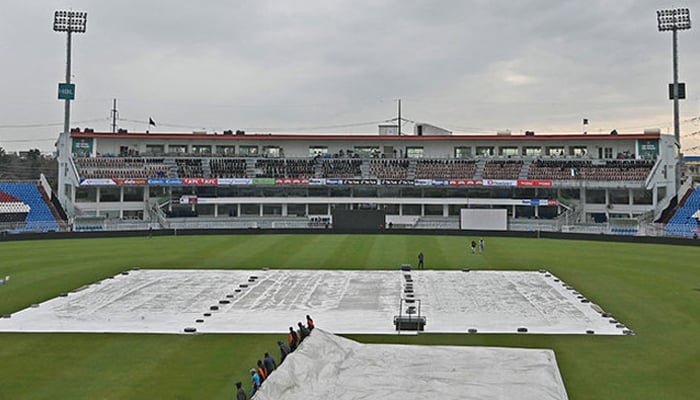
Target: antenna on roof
(115,115)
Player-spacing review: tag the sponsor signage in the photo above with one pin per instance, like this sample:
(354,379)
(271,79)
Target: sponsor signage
(499,182)
(97,182)
(534,183)
(130,181)
(164,181)
(404,182)
(200,181)
(291,181)
(263,181)
(66,91)
(235,181)
(540,202)
(465,182)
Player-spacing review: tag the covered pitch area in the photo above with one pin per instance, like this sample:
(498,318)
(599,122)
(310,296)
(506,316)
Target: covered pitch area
(344,302)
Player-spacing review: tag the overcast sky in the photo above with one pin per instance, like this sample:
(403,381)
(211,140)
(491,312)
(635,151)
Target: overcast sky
(319,66)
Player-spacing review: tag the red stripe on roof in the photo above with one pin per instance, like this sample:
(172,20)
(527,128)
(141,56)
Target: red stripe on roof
(331,137)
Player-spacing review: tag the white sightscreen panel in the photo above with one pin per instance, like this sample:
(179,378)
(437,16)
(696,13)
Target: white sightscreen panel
(486,220)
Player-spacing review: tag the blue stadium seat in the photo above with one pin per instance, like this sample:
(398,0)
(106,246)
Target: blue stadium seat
(40,217)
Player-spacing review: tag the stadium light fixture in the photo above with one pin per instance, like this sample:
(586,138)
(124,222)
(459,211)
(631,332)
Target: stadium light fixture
(68,21)
(674,20)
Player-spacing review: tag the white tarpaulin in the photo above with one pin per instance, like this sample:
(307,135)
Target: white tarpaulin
(326,366)
(231,301)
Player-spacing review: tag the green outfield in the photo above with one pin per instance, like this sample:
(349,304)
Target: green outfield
(653,289)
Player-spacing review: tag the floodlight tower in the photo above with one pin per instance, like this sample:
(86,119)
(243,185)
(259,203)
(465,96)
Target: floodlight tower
(69,22)
(674,20)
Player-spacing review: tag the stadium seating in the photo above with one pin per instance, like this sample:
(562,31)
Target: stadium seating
(502,169)
(682,223)
(341,168)
(40,218)
(389,169)
(611,170)
(445,169)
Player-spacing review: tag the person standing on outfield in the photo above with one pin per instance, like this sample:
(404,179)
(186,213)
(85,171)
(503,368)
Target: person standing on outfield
(473,247)
(420,260)
(4,281)
(240,393)
(481,246)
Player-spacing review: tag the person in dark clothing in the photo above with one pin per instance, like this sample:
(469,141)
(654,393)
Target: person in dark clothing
(420,260)
(269,363)
(310,323)
(284,350)
(303,332)
(293,339)
(240,393)
(473,247)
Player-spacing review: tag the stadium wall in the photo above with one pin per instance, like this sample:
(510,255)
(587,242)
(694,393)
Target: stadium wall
(464,233)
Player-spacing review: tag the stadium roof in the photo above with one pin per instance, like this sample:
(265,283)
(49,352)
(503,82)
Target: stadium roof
(330,137)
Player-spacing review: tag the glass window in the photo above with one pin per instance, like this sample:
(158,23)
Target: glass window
(317,151)
(433,209)
(272,209)
(201,149)
(272,151)
(85,194)
(660,193)
(578,151)
(608,152)
(532,151)
(508,151)
(414,152)
(250,209)
(641,196)
(109,194)
(226,150)
(411,209)
(463,152)
(484,151)
(155,149)
(248,150)
(133,193)
(367,151)
(595,196)
(555,151)
(318,209)
(298,210)
(619,196)
(177,148)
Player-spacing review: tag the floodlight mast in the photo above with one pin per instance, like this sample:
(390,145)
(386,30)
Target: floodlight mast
(674,20)
(69,21)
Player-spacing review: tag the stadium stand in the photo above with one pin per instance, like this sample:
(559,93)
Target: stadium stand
(389,169)
(341,168)
(445,169)
(39,218)
(609,170)
(683,222)
(502,169)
